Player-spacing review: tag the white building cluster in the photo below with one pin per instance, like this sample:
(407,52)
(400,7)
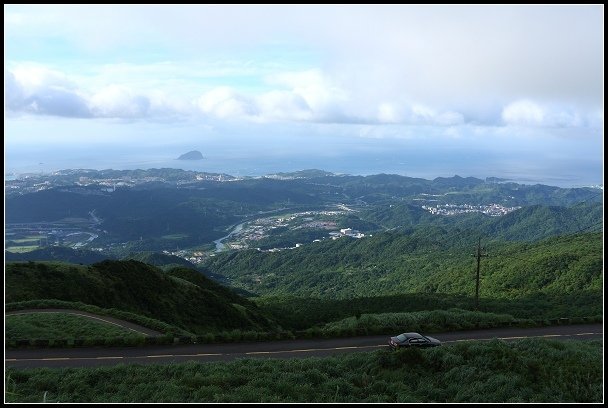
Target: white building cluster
(346,232)
(493,210)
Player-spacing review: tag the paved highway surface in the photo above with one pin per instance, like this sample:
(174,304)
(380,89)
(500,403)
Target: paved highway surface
(89,357)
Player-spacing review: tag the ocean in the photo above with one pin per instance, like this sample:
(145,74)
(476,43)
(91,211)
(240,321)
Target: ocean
(422,164)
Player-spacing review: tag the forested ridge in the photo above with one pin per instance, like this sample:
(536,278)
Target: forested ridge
(180,296)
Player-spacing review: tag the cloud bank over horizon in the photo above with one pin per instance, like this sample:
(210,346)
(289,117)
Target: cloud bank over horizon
(417,65)
(439,86)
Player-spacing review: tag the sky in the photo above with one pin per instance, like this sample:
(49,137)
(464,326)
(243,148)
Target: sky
(416,90)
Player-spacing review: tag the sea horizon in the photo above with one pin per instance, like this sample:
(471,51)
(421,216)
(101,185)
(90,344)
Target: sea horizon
(345,165)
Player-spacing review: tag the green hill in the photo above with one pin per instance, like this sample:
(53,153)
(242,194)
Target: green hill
(538,222)
(159,259)
(178,210)
(57,253)
(529,223)
(181,297)
(424,261)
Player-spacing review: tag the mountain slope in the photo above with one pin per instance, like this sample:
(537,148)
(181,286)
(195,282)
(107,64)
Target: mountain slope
(531,223)
(538,222)
(195,304)
(159,259)
(57,253)
(423,262)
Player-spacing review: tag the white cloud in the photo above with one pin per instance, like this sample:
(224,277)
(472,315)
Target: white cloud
(225,102)
(283,105)
(14,93)
(33,77)
(152,92)
(416,114)
(532,114)
(523,113)
(37,90)
(294,96)
(119,102)
(323,96)
(451,58)
(387,113)
(450,118)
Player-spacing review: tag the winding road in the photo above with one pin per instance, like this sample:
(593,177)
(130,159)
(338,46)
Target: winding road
(105,319)
(90,357)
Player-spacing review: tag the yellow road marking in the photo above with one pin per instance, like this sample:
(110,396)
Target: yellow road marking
(179,355)
(198,355)
(313,349)
(278,351)
(523,337)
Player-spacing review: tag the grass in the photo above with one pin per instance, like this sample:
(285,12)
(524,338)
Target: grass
(28,239)
(131,317)
(425,321)
(432,321)
(300,313)
(22,248)
(135,287)
(531,370)
(52,326)
(174,236)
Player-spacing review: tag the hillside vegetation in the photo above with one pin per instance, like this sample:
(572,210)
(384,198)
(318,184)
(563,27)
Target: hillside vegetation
(420,262)
(530,223)
(54,326)
(160,259)
(57,253)
(178,210)
(180,297)
(531,370)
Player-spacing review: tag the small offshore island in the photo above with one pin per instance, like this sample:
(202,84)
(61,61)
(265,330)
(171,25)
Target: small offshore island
(192,155)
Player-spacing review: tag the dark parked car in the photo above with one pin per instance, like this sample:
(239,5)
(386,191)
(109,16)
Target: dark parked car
(412,339)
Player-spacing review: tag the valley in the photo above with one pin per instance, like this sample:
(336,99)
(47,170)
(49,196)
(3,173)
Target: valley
(204,259)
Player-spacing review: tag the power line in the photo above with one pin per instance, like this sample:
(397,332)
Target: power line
(459,233)
(591,226)
(584,201)
(590,198)
(509,256)
(479,255)
(527,249)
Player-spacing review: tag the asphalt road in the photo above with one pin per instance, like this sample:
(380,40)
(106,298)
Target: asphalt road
(90,357)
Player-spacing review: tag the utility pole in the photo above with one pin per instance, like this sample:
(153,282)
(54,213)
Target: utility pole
(478,255)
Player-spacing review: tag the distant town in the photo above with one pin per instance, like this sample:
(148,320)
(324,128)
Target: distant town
(493,210)
(285,226)
(105,180)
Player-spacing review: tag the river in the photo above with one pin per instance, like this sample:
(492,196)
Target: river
(218,242)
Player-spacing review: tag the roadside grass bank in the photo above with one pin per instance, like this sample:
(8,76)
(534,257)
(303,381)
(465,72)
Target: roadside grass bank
(429,322)
(529,370)
(59,326)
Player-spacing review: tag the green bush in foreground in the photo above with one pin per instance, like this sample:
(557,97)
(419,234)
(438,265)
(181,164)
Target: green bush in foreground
(531,370)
